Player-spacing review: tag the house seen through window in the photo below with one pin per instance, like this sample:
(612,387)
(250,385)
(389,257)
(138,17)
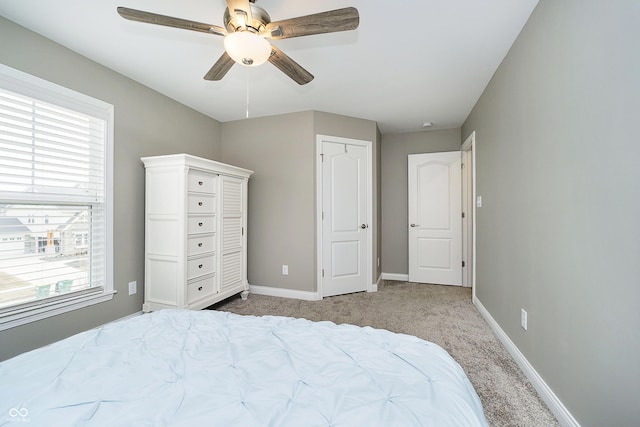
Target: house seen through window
(43,258)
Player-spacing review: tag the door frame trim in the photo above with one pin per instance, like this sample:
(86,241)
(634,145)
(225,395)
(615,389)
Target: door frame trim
(319,205)
(470,145)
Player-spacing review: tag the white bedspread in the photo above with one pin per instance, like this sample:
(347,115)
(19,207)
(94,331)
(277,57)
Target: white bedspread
(196,368)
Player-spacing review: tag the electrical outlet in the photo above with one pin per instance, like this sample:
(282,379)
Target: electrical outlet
(133,287)
(285,270)
(523,319)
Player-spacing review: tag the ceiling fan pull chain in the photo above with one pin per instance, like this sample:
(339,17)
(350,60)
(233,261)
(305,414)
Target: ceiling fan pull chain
(247,92)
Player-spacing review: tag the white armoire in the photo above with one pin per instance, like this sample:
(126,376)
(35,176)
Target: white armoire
(195,232)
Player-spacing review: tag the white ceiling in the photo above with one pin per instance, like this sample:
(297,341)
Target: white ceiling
(409,62)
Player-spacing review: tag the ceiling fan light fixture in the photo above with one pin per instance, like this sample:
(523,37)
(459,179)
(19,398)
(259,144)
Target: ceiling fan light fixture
(247,48)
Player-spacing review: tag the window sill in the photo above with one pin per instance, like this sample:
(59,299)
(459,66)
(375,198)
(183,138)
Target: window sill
(32,312)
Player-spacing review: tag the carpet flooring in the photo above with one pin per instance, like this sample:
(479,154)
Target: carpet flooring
(444,315)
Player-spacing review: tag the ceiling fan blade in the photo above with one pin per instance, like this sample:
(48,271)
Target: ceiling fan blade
(220,68)
(241,9)
(169,21)
(290,67)
(325,22)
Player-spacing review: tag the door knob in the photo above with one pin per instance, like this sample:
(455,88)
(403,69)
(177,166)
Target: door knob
(414,225)
(363,226)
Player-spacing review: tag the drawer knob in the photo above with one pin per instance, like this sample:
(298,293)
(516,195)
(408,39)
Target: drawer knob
(200,203)
(200,266)
(200,288)
(200,182)
(199,224)
(200,244)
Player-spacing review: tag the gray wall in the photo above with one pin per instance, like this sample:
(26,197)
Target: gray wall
(558,234)
(282,212)
(146,123)
(395,149)
(281,228)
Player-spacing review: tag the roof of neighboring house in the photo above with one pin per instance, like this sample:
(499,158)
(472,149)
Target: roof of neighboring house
(12,225)
(72,220)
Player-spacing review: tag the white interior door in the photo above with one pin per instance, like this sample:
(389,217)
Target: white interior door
(345,228)
(435,218)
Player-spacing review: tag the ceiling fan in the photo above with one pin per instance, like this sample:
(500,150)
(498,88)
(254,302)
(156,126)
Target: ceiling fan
(246,30)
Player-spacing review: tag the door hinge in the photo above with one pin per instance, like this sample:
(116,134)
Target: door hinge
(461,165)
(464,264)
(323,272)
(463,215)
(322,157)
(243,231)
(322,214)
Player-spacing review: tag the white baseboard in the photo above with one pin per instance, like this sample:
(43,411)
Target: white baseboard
(394,276)
(284,293)
(129,316)
(555,405)
(301,295)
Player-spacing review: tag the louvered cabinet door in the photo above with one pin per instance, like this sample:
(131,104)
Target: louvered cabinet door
(232,239)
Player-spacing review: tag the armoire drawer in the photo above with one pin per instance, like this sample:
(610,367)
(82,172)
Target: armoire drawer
(201,266)
(201,203)
(201,224)
(200,244)
(201,182)
(200,289)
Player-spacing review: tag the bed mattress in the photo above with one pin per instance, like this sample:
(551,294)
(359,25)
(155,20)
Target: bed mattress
(192,368)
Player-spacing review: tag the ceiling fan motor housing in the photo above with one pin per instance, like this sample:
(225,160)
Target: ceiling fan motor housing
(260,19)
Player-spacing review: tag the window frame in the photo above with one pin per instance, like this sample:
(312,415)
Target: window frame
(35,87)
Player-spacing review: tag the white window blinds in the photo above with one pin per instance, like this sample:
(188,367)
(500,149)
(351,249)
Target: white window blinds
(49,152)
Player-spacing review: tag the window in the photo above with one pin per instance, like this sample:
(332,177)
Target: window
(55,199)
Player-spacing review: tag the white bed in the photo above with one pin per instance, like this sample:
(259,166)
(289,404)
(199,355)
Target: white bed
(192,368)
